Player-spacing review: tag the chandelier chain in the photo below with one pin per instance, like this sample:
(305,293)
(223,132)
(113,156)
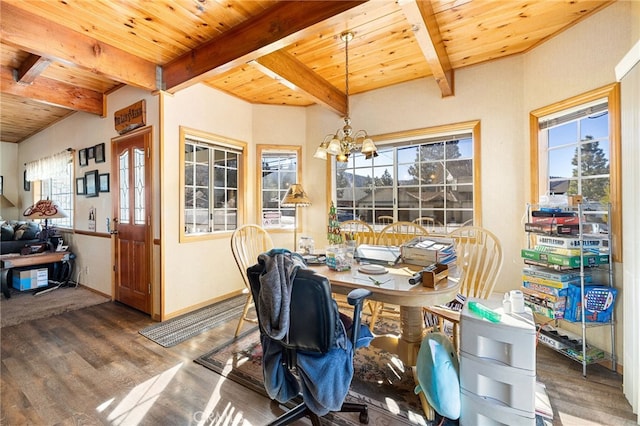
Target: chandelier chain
(346,68)
(344,141)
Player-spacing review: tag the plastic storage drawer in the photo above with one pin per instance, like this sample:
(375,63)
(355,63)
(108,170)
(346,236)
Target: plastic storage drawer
(510,342)
(510,386)
(478,411)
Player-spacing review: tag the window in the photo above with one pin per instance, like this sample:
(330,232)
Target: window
(431,175)
(577,153)
(60,190)
(575,150)
(55,177)
(211,183)
(279,168)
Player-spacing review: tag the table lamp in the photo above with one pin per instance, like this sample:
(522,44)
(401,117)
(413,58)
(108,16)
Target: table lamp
(295,197)
(45,209)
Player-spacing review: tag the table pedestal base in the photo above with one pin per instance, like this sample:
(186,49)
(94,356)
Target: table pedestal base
(407,352)
(408,346)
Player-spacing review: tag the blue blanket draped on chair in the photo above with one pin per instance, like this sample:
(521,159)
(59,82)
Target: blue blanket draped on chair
(324,379)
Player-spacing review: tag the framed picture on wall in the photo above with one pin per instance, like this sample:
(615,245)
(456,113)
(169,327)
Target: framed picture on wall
(99,153)
(103,181)
(80,187)
(26,183)
(91,183)
(90,152)
(82,157)
(1,185)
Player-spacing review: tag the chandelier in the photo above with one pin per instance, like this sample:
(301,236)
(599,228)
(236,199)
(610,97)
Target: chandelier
(344,141)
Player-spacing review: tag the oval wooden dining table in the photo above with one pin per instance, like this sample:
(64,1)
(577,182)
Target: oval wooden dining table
(393,287)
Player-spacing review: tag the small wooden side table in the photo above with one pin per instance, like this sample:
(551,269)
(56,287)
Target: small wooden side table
(16,260)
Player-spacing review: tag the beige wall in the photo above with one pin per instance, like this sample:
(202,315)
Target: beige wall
(581,59)
(78,131)
(280,125)
(11,178)
(491,93)
(500,94)
(201,271)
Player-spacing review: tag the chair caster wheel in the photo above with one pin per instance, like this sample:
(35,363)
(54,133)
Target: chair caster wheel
(364,417)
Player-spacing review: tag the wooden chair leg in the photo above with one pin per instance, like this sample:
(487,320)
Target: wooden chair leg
(375,311)
(429,412)
(456,337)
(245,310)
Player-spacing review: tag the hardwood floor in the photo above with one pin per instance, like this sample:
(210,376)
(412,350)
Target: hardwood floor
(91,367)
(582,401)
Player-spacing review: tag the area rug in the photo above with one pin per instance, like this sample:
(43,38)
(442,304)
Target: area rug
(380,380)
(176,330)
(23,306)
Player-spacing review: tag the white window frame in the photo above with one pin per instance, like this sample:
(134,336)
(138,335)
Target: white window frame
(392,142)
(60,189)
(538,143)
(574,118)
(224,201)
(277,217)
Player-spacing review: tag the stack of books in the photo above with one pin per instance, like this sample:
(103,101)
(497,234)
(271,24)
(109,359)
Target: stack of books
(563,258)
(542,289)
(563,252)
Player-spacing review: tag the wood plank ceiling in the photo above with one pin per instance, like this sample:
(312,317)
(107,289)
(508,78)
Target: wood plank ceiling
(62,56)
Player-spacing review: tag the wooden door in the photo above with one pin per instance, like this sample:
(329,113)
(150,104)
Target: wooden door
(131,224)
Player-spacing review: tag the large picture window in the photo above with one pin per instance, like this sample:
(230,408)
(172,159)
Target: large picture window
(211,183)
(279,168)
(429,176)
(575,151)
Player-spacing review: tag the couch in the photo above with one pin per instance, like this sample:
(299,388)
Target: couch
(15,235)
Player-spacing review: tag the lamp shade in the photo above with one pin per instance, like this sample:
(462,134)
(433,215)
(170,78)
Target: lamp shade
(320,153)
(45,209)
(368,146)
(295,197)
(334,147)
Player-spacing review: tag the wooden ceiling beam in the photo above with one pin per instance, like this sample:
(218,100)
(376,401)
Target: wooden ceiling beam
(40,36)
(282,65)
(31,68)
(265,33)
(420,14)
(54,93)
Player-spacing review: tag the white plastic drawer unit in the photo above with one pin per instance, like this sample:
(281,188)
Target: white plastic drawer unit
(512,341)
(497,367)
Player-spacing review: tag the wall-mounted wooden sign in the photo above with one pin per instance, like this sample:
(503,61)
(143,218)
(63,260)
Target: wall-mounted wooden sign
(131,117)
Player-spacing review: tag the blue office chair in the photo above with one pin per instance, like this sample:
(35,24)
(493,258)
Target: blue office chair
(307,344)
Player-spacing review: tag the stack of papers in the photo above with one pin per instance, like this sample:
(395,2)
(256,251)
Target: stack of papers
(543,405)
(426,250)
(384,255)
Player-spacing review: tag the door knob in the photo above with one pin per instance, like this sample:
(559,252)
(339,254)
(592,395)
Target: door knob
(115,223)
